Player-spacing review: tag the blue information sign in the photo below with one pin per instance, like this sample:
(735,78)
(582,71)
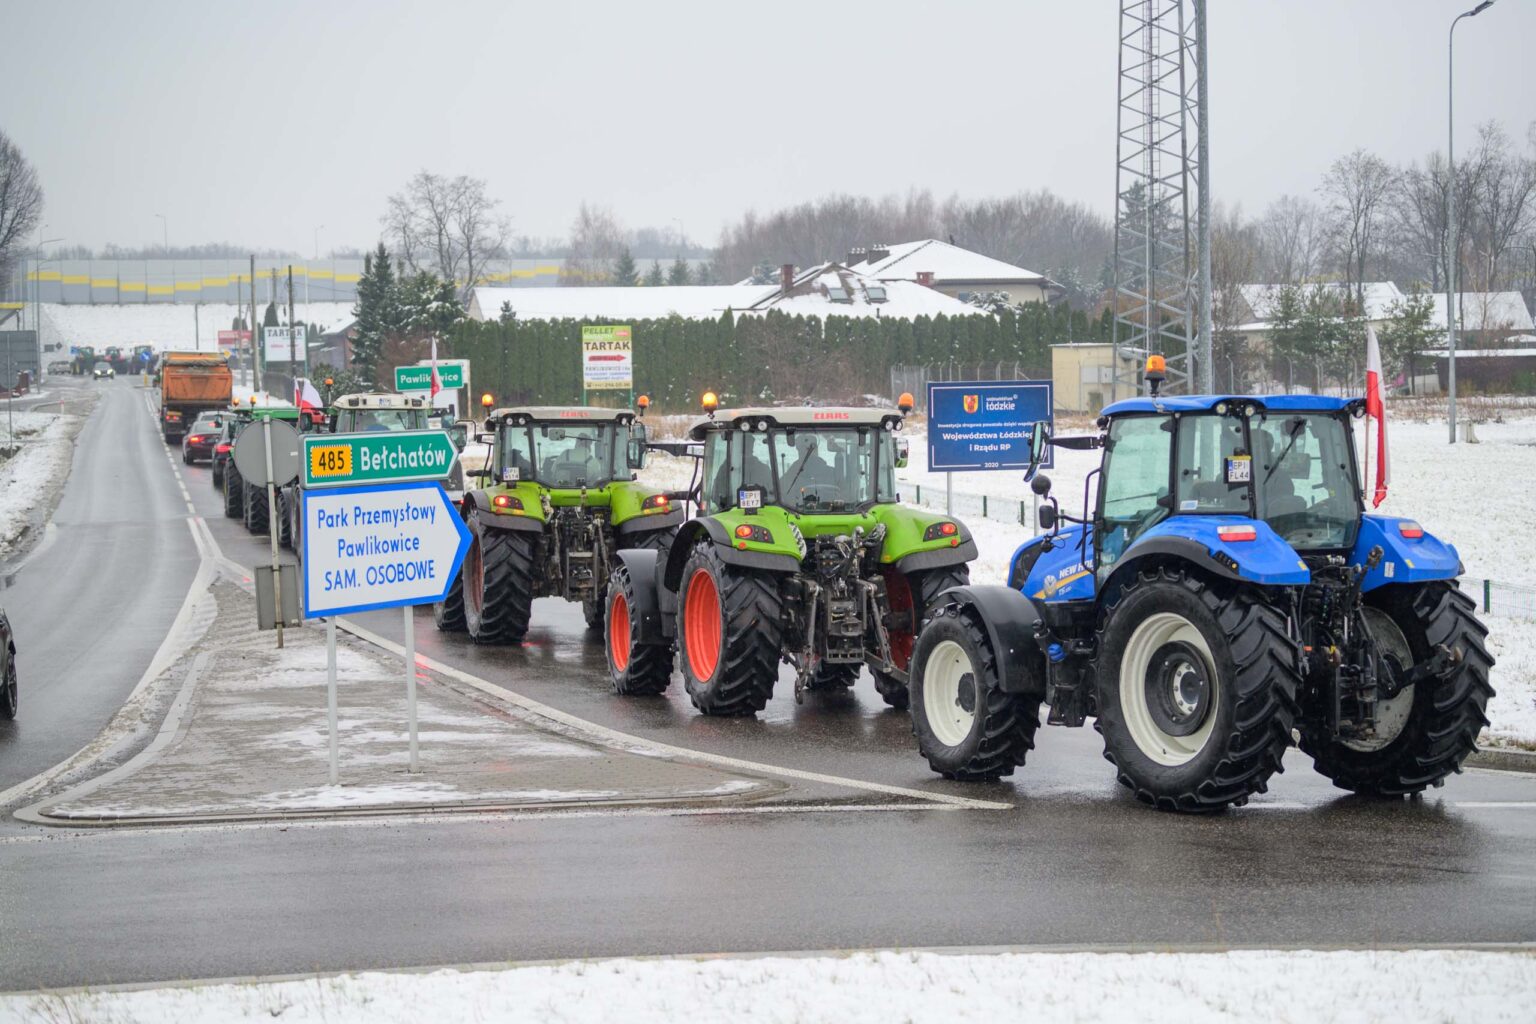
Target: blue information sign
(984,425)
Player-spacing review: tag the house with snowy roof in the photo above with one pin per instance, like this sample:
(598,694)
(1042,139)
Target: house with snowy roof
(825,290)
(952,270)
(1487,318)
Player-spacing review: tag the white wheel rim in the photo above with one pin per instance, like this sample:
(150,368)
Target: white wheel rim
(1151,738)
(1391,715)
(949,683)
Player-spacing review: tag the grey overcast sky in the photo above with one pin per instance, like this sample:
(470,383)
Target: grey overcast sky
(257,122)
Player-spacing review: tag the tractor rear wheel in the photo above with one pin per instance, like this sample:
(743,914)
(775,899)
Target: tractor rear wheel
(636,668)
(234,492)
(497,584)
(904,592)
(966,726)
(1427,730)
(731,631)
(255,507)
(1196,691)
(284,520)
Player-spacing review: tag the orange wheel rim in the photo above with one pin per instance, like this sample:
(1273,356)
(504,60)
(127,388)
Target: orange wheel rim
(701,625)
(618,633)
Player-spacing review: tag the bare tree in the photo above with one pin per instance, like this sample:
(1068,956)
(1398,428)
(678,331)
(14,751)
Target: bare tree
(596,240)
(1236,254)
(1503,201)
(1356,186)
(1291,233)
(448,226)
(21,203)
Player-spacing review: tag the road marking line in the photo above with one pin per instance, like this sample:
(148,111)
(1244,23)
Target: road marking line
(1491,805)
(616,737)
(64,829)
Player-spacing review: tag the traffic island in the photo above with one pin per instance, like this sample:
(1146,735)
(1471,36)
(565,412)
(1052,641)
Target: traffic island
(246,738)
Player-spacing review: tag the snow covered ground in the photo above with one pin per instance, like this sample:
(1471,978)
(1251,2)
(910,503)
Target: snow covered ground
(1044,988)
(32,475)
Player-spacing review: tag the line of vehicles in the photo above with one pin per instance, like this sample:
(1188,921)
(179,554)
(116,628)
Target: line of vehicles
(1224,597)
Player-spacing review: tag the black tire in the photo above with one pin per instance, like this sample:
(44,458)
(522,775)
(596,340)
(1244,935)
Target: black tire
(498,584)
(924,588)
(635,668)
(256,518)
(284,519)
(1245,681)
(234,492)
(186,456)
(992,731)
(1445,717)
(735,639)
(10,691)
(448,614)
(218,476)
(592,611)
(655,540)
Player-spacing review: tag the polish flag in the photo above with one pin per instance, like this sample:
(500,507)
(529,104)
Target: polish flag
(1376,405)
(437,382)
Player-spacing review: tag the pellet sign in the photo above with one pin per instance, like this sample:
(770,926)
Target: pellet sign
(607,358)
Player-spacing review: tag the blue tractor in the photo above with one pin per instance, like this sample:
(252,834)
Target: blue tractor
(1227,595)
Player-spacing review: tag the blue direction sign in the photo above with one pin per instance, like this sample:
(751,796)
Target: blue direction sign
(379,547)
(984,425)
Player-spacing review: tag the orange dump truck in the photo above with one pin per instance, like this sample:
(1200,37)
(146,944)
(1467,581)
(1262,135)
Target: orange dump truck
(190,383)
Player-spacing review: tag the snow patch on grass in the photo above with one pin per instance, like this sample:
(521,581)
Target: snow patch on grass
(1044,988)
(35,472)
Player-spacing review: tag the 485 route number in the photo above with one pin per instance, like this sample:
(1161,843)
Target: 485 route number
(330,460)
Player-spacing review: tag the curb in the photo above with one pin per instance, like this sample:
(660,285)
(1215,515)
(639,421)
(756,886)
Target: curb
(1504,759)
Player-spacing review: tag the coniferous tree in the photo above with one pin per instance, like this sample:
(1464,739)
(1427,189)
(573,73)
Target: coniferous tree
(376,310)
(678,273)
(269,318)
(624,273)
(654,277)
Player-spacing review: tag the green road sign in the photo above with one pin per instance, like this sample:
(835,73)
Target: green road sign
(419,378)
(336,460)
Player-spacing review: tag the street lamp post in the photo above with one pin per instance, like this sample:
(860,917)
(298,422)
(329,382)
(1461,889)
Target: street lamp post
(1454,256)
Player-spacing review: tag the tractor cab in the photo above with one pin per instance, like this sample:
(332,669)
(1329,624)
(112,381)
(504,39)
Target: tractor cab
(567,448)
(379,412)
(808,461)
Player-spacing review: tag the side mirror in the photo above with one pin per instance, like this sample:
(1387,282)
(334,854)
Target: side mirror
(1047,517)
(1039,440)
(1041,484)
(903,452)
(485,438)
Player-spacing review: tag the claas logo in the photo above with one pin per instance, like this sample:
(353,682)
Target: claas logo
(971,402)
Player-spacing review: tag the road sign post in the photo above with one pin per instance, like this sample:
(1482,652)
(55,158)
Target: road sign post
(382,546)
(269,458)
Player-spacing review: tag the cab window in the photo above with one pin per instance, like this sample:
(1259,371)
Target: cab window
(1134,489)
(1214,467)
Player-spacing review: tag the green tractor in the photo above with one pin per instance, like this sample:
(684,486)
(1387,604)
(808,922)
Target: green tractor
(801,553)
(556,503)
(244,500)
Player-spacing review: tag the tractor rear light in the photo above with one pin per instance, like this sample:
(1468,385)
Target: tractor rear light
(1410,529)
(655,503)
(940,531)
(1234,533)
(756,534)
(507,503)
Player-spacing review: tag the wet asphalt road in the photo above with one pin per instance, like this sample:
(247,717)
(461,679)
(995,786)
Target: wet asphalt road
(1074,860)
(92,602)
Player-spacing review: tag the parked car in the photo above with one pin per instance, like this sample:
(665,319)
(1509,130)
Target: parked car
(103,369)
(60,366)
(8,688)
(202,437)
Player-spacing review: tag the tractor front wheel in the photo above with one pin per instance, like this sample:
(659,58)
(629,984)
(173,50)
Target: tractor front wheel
(1427,730)
(636,668)
(497,584)
(1196,691)
(966,726)
(255,507)
(234,492)
(731,631)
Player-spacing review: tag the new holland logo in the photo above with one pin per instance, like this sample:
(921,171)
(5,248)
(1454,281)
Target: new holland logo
(971,402)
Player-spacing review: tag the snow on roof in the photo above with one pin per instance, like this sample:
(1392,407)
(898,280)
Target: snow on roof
(948,263)
(167,326)
(1379,297)
(690,301)
(903,300)
(1486,311)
